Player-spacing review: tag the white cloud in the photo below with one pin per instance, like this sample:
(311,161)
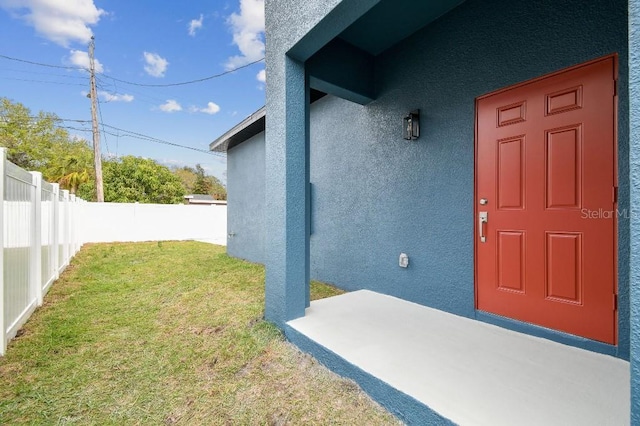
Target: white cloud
(211,108)
(156,64)
(262,76)
(80,59)
(194,25)
(115,97)
(61,21)
(248,33)
(170,106)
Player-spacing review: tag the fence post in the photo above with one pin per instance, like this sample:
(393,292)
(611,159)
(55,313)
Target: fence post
(80,223)
(76,222)
(72,227)
(35,267)
(56,228)
(3,326)
(65,228)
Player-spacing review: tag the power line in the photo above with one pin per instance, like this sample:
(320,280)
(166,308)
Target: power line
(79,129)
(42,64)
(134,135)
(161,141)
(43,81)
(182,83)
(112,88)
(127,133)
(140,96)
(36,117)
(44,73)
(102,85)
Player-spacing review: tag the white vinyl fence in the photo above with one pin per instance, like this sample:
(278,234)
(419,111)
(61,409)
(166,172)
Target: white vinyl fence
(43,227)
(120,222)
(37,239)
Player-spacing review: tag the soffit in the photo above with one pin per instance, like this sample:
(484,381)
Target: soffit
(391,21)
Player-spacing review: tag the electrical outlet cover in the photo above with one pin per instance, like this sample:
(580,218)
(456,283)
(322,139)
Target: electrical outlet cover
(403,261)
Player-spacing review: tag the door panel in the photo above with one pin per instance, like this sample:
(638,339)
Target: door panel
(564,267)
(511,271)
(511,173)
(545,160)
(563,167)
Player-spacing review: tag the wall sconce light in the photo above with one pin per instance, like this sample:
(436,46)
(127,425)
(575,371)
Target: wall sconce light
(411,125)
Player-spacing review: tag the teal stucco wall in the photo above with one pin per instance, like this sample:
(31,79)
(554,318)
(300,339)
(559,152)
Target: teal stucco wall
(634,67)
(303,27)
(246,200)
(376,195)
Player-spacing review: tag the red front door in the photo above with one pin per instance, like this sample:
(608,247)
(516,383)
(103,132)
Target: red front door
(545,202)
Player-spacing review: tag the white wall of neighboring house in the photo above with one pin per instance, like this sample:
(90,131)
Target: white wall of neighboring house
(120,222)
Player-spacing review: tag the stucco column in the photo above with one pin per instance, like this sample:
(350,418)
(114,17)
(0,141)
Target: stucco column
(287,204)
(634,169)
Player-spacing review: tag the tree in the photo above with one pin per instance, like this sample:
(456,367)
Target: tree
(218,190)
(37,143)
(71,165)
(187,176)
(73,179)
(29,139)
(195,181)
(135,179)
(201,185)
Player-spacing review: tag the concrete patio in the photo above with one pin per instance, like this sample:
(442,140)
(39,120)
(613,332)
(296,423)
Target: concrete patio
(466,371)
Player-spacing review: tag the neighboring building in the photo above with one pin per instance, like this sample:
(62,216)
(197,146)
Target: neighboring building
(203,200)
(517,203)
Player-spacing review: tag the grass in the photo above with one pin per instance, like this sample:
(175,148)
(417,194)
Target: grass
(167,333)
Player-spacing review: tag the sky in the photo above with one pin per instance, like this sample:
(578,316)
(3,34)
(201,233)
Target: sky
(147,42)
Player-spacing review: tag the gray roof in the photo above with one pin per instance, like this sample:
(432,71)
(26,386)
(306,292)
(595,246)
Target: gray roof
(202,197)
(247,128)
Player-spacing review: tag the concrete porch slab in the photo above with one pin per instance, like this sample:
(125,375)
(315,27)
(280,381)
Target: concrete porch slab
(469,372)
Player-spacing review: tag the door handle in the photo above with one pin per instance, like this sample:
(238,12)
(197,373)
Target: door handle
(483,217)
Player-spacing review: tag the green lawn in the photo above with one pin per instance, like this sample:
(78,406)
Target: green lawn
(167,333)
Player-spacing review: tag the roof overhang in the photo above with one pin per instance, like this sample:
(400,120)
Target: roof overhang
(246,129)
(340,52)
(249,127)
(344,66)
(391,21)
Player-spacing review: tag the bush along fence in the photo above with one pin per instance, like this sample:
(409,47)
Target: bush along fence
(39,236)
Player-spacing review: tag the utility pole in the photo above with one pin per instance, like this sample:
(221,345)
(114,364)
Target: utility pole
(97,159)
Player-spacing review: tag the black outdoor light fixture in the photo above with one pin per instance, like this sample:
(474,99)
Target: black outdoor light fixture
(411,125)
